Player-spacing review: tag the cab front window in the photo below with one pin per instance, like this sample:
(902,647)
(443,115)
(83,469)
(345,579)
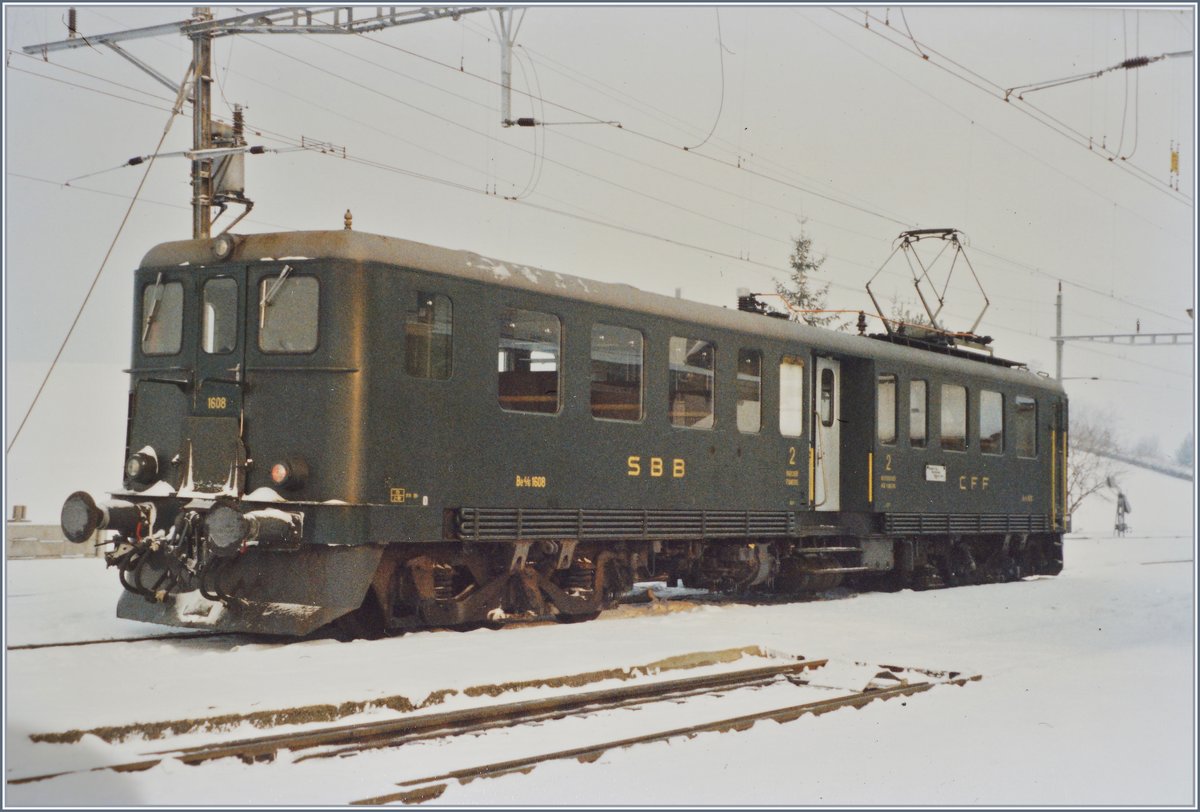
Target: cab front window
(288,307)
(162,317)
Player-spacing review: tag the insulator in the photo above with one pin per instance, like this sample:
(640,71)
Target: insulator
(1136,62)
(526,122)
(239,124)
(72,31)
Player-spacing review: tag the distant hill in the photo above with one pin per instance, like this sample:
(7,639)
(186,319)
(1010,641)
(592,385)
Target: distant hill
(1159,465)
(1162,504)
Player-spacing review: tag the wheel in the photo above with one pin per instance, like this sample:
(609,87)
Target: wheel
(961,569)
(1034,560)
(1009,569)
(364,623)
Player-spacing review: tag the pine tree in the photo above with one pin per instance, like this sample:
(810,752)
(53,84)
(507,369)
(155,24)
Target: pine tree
(801,291)
(907,321)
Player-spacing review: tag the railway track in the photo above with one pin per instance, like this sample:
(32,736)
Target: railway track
(147,638)
(428,788)
(341,740)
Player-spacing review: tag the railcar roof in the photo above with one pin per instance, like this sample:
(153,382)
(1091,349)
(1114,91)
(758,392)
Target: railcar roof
(363,247)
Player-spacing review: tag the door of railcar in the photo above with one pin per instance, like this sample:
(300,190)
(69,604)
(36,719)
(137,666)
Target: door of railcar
(827,434)
(214,444)
(220,350)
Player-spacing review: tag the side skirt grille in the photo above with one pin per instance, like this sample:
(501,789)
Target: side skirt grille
(494,524)
(934,523)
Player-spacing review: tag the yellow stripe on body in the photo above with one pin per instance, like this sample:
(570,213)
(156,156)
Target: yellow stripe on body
(870,476)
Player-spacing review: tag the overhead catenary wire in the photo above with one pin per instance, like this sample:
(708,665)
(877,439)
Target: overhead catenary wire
(426,177)
(539,135)
(1130,63)
(594,218)
(85,87)
(517,148)
(873,212)
(141,199)
(721,103)
(104,262)
(656,139)
(656,112)
(1001,258)
(1051,167)
(995,255)
(1033,112)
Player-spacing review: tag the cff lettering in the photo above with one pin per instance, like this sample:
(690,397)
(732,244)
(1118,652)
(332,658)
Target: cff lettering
(972,483)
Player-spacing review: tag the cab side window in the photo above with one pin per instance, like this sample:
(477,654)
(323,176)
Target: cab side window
(954,417)
(690,385)
(918,413)
(825,406)
(1024,426)
(528,364)
(616,373)
(749,391)
(791,396)
(428,337)
(991,422)
(885,409)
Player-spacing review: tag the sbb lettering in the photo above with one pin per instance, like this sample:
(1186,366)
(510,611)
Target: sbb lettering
(656,467)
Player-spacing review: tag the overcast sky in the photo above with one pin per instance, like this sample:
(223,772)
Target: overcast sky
(829,115)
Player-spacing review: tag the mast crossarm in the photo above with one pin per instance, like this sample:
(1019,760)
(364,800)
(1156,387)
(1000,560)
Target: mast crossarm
(287,20)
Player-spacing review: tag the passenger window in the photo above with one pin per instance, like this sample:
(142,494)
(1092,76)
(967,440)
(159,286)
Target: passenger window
(918,414)
(826,406)
(954,417)
(885,406)
(528,362)
(162,318)
(791,396)
(288,307)
(616,373)
(690,384)
(428,337)
(1024,425)
(749,391)
(991,422)
(219,325)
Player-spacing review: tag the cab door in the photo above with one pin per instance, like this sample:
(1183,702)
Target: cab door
(220,352)
(827,394)
(215,453)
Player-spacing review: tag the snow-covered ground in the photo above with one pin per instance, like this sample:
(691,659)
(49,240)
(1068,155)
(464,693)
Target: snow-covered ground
(1087,696)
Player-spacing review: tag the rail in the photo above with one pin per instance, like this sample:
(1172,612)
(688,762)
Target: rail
(341,740)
